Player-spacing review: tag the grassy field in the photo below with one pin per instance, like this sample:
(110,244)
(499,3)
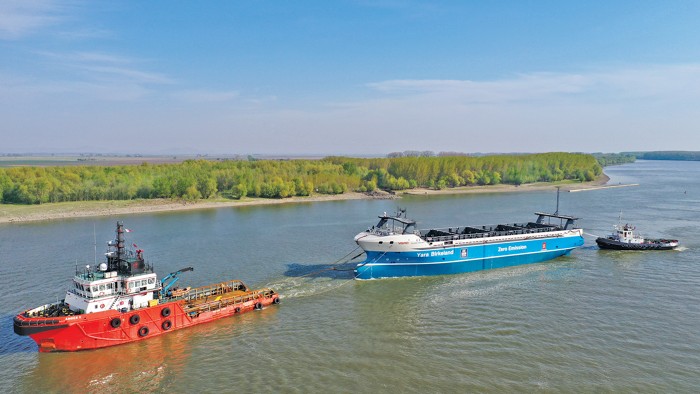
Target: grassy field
(67,208)
(15,213)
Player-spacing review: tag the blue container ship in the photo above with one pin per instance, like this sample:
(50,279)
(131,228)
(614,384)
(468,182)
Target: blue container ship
(395,248)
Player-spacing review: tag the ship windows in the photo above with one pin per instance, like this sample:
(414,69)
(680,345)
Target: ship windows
(151,281)
(102,287)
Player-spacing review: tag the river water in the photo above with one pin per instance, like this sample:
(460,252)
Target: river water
(589,322)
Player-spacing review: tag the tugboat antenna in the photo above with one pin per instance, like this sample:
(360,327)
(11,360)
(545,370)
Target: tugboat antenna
(557,211)
(94,241)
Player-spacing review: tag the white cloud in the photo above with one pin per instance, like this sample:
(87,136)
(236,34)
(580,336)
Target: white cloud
(19,18)
(599,110)
(101,65)
(203,96)
(126,73)
(652,81)
(83,76)
(632,108)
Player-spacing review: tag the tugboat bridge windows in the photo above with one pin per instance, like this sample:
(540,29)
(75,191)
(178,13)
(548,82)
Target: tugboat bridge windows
(97,290)
(141,285)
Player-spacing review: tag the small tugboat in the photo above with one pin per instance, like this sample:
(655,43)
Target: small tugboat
(123,301)
(625,238)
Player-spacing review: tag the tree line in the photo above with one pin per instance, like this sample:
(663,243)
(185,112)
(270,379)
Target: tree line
(235,179)
(612,159)
(668,155)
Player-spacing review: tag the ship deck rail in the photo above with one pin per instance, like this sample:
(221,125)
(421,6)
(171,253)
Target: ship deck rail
(488,231)
(218,289)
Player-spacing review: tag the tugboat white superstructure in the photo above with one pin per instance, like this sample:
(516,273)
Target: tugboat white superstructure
(122,301)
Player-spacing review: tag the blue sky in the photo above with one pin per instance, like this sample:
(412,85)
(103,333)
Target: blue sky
(348,77)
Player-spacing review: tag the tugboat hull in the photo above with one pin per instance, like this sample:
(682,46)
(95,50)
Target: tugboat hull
(662,244)
(111,327)
(121,301)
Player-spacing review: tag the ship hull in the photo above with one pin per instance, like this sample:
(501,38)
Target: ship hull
(111,327)
(607,243)
(465,258)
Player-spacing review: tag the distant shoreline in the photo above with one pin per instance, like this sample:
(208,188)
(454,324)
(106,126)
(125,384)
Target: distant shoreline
(10,213)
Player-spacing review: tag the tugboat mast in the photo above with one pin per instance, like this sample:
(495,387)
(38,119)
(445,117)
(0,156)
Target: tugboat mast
(117,257)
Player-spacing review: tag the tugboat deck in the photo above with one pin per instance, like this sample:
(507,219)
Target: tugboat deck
(219,296)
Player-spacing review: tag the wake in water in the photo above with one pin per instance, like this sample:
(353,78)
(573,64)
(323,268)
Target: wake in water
(489,282)
(299,287)
(304,280)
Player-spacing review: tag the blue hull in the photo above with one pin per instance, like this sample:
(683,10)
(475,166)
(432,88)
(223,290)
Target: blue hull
(459,260)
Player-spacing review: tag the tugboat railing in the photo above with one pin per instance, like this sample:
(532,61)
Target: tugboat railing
(214,290)
(217,304)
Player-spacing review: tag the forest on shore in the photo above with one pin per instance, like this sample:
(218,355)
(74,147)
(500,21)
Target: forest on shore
(667,155)
(235,179)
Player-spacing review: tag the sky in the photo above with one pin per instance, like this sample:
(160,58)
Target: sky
(348,77)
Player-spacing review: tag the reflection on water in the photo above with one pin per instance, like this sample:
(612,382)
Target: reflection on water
(589,322)
(157,364)
(146,366)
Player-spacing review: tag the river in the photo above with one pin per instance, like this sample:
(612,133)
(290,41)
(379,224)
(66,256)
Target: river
(589,322)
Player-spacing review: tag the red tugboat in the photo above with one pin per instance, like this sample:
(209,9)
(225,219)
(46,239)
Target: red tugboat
(122,301)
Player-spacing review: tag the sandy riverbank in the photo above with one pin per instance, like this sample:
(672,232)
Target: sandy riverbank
(565,187)
(26,213)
